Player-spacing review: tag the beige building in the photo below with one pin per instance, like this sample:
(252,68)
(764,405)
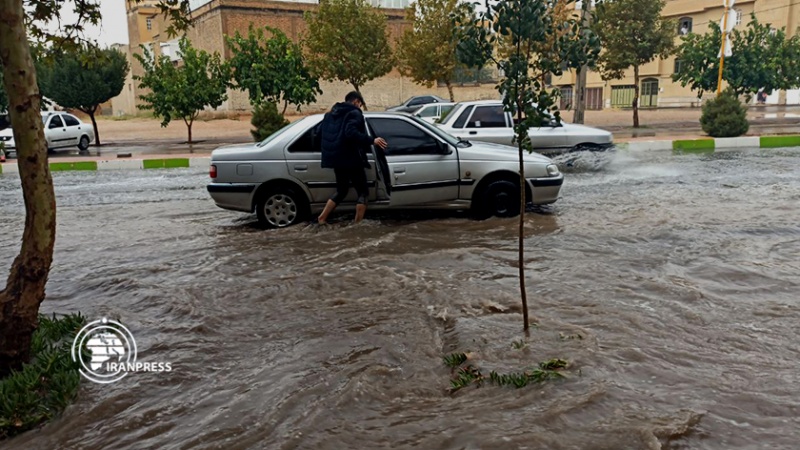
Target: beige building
(213,19)
(657,87)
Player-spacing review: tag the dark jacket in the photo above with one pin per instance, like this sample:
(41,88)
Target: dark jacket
(343,137)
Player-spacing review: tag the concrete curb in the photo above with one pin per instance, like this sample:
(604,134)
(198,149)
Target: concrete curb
(118,164)
(709,145)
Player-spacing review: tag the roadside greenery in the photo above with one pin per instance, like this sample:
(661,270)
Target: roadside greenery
(266,120)
(271,70)
(724,116)
(83,79)
(182,92)
(347,40)
(633,33)
(518,38)
(43,388)
(427,50)
(763,58)
(462,376)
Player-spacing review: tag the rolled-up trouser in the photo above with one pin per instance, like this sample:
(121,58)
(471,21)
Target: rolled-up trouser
(344,177)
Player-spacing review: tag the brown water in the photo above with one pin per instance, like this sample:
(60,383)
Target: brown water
(680,273)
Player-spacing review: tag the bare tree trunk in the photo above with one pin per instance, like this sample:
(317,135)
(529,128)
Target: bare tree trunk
(522,290)
(25,287)
(636,97)
(285,105)
(94,125)
(450,90)
(579,99)
(189,122)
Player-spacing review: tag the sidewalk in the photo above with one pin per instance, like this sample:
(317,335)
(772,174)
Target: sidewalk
(144,144)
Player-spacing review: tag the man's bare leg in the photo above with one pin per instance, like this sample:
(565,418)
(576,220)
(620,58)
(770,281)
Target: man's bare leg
(329,207)
(361,209)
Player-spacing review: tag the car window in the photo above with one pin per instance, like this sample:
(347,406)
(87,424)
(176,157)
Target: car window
(488,117)
(308,142)
(428,111)
(417,101)
(404,138)
(462,119)
(56,122)
(445,110)
(71,121)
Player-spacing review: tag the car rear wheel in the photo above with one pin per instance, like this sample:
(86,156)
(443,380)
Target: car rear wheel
(83,145)
(501,199)
(280,208)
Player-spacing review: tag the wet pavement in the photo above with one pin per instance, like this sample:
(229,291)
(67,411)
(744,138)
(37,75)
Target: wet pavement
(669,283)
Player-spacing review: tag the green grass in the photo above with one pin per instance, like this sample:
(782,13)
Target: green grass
(169,163)
(48,384)
(693,146)
(464,376)
(62,166)
(780,141)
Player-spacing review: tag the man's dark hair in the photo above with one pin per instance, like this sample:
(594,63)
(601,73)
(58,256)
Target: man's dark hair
(354,95)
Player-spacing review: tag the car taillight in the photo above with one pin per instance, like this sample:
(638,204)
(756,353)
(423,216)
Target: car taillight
(212,171)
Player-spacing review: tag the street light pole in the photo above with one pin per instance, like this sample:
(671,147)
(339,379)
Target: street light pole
(580,83)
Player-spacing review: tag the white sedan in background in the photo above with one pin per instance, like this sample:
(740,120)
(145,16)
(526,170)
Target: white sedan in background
(61,130)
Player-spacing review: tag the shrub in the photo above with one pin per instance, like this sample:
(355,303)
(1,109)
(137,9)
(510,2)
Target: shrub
(724,116)
(266,120)
(46,385)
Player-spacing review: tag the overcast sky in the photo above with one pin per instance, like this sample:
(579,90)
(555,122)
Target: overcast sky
(114,27)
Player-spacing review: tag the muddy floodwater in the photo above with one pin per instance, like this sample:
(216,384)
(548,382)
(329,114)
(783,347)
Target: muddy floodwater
(670,283)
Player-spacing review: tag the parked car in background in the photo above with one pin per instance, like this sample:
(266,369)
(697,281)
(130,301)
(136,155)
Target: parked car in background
(486,121)
(282,180)
(415,102)
(61,130)
(433,112)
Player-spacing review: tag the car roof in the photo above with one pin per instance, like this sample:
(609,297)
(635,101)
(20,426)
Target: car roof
(482,102)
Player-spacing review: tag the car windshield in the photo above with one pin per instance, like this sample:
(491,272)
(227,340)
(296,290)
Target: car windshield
(435,130)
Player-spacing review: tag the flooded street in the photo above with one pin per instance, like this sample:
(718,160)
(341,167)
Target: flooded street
(669,283)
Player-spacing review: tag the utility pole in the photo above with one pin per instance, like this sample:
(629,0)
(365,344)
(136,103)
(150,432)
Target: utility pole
(727,25)
(579,96)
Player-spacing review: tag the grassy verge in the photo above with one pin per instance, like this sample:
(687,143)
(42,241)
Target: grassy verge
(45,386)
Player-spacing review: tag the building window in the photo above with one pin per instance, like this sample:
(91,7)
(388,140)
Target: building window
(149,23)
(678,66)
(739,15)
(684,26)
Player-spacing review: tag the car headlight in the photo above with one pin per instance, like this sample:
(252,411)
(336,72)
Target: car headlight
(552,170)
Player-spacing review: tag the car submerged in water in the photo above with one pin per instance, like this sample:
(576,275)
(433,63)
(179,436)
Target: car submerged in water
(282,180)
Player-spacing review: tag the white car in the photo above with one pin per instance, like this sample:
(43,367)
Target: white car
(487,121)
(432,112)
(61,130)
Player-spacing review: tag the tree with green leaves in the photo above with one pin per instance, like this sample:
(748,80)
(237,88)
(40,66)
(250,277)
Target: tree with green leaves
(763,58)
(271,69)
(83,79)
(21,21)
(182,91)
(633,33)
(347,40)
(515,36)
(427,50)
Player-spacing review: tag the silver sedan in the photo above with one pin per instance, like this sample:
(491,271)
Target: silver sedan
(281,178)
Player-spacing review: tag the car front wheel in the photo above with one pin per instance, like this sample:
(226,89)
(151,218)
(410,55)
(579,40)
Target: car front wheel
(501,199)
(83,145)
(280,208)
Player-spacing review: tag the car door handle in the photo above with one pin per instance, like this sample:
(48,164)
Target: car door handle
(399,171)
(300,168)
(473,132)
